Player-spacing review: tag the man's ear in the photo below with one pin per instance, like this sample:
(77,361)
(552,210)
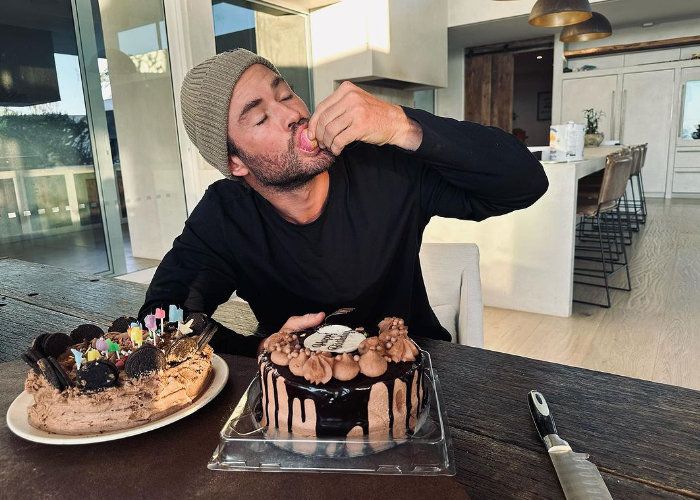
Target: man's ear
(236,166)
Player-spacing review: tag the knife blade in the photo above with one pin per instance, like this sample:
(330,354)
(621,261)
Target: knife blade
(579,478)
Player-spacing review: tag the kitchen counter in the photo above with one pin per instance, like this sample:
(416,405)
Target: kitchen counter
(527,256)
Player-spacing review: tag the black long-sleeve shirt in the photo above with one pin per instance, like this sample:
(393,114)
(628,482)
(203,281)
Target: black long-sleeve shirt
(362,251)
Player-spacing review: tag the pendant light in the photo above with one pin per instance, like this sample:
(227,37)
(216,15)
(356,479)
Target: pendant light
(595,28)
(555,13)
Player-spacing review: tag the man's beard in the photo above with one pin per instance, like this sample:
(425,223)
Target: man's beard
(287,171)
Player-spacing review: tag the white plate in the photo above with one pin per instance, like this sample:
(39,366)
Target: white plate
(18,422)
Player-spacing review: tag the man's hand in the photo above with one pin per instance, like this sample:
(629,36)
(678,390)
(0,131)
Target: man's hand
(352,114)
(299,323)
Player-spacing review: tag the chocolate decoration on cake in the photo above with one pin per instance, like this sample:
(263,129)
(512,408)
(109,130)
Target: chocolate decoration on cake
(146,359)
(121,324)
(85,332)
(31,357)
(97,375)
(56,344)
(181,349)
(376,389)
(60,372)
(199,322)
(38,343)
(48,371)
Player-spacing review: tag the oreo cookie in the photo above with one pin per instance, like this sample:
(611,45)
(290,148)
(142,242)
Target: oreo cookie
(98,375)
(32,357)
(146,359)
(121,324)
(38,343)
(171,327)
(48,371)
(86,332)
(181,349)
(60,372)
(56,344)
(199,322)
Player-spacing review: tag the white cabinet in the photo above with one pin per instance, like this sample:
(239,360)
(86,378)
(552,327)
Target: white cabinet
(598,92)
(638,107)
(645,117)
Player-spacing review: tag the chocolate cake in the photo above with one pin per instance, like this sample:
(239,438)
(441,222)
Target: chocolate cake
(336,382)
(91,382)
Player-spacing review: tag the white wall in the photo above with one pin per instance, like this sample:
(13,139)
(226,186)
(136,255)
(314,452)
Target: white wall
(398,39)
(477,11)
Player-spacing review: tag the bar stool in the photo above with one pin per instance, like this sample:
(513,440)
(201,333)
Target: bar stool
(602,209)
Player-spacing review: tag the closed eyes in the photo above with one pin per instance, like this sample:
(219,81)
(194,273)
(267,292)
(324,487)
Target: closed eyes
(265,117)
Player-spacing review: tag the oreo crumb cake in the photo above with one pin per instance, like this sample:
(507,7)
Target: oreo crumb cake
(92,382)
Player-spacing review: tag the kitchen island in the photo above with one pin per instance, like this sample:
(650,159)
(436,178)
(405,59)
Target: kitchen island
(527,257)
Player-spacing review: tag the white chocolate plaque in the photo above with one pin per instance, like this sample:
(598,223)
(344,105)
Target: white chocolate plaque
(334,338)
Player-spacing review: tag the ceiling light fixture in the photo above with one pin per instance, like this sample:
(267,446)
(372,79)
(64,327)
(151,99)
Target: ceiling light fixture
(595,28)
(555,13)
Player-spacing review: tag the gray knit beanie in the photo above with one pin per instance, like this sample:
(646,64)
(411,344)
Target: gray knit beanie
(205,98)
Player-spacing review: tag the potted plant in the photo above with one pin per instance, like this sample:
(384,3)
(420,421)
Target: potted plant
(593,137)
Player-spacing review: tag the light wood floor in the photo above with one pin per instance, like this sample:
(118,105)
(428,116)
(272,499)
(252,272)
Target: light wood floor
(652,332)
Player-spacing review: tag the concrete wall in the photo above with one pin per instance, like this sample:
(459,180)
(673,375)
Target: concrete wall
(403,40)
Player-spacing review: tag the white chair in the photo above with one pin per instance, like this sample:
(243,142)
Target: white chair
(453,282)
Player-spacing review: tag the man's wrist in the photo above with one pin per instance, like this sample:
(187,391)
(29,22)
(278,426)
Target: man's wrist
(410,135)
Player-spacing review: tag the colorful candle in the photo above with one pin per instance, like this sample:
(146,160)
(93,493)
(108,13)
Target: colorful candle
(136,335)
(160,314)
(113,347)
(92,354)
(101,345)
(175,314)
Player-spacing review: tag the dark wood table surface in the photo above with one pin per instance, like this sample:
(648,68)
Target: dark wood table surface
(643,436)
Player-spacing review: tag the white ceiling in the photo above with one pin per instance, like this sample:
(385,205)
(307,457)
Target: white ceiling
(621,13)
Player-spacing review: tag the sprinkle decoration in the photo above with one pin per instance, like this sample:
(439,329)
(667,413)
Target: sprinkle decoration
(78,356)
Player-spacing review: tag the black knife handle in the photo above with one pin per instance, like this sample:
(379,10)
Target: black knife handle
(544,421)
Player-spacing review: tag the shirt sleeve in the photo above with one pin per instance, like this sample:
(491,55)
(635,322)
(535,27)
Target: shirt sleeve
(194,276)
(470,171)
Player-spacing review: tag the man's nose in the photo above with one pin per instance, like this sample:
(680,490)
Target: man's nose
(289,116)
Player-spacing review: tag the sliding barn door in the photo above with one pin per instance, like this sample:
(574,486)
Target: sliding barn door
(489,90)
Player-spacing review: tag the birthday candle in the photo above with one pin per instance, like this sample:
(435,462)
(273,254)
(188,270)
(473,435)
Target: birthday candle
(136,335)
(92,354)
(160,314)
(101,345)
(150,322)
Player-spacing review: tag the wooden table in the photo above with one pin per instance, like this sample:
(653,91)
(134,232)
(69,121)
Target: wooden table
(645,437)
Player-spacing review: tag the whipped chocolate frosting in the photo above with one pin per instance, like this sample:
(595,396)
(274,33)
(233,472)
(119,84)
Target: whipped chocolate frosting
(132,403)
(391,345)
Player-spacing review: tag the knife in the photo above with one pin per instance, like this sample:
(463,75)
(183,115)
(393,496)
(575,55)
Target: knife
(578,477)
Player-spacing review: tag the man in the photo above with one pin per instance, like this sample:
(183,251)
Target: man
(325,211)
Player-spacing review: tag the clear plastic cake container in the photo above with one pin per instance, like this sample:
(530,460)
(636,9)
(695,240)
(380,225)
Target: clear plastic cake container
(244,445)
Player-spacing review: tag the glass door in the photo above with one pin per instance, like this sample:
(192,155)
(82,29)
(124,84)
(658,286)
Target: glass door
(58,202)
(689,129)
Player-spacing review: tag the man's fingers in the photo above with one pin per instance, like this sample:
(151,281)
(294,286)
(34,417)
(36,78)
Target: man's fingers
(327,117)
(329,101)
(331,130)
(341,140)
(297,323)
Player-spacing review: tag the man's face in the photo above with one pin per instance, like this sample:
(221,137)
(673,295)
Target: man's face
(265,120)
